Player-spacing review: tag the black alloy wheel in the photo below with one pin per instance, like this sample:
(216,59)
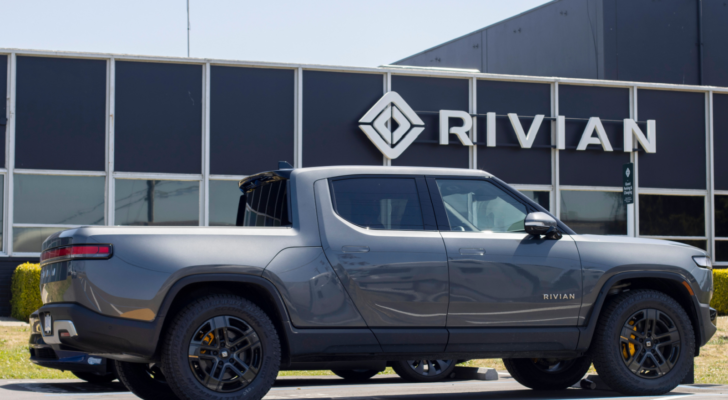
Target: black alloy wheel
(548,373)
(552,366)
(424,370)
(650,343)
(225,354)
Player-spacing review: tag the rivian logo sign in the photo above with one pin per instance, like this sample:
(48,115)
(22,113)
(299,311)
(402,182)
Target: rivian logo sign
(392,107)
(375,124)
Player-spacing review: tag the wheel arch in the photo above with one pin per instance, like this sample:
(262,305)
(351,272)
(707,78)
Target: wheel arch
(672,284)
(253,288)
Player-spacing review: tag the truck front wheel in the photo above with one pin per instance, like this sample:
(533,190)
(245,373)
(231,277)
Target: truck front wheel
(144,380)
(547,373)
(221,346)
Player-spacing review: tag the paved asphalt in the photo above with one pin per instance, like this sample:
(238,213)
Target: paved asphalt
(380,388)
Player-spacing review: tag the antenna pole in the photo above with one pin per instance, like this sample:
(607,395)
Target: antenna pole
(188,28)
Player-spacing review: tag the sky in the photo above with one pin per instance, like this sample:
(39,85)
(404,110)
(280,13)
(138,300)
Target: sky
(366,33)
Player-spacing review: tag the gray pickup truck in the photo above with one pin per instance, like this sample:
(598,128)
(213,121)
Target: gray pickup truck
(336,266)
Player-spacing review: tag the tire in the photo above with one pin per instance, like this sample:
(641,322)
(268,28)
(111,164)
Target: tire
(424,370)
(235,350)
(547,374)
(355,375)
(91,377)
(664,355)
(146,381)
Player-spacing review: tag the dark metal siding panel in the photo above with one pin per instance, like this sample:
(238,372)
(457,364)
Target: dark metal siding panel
(251,119)
(433,94)
(720,140)
(679,162)
(715,43)
(333,103)
(3,106)
(61,114)
(465,52)
(594,166)
(158,124)
(609,16)
(7,267)
(657,41)
(508,160)
(560,39)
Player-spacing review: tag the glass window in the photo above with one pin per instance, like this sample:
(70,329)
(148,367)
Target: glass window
(379,203)
(155,202)
(267,205)
(591,212)
(477,205)
(29,240)
(541,198)
(224,202)
(53,199)
(662,215)
(721,250)
(721,216)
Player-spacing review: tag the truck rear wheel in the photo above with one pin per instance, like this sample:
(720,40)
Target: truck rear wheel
(547,373)
(221,347)
(355,375)
(144,380)
(644,343)
(424,370)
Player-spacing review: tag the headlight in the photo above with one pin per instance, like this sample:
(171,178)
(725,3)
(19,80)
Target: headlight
(703,261)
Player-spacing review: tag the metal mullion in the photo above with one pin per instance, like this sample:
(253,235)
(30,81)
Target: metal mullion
(10,158)
(110,146)
(54,172)
(535,188)
(634,158)
(157,176)
(710,198)
(227,177)
(298,119)
(473,151)
(387,87)
(574,188)
(106,143)
(675,237)
(48,225)
(674,192)
(720,192)
(555,196)
(205,189)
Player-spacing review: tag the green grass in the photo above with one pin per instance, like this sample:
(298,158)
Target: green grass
(15,358)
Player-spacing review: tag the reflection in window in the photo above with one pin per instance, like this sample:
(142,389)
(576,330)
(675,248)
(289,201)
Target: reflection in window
(267,205)
(721,216)
(224,201)
(541,198)
(701,244)
(29,240)
(379,203)
(662,215)
(155,202)
(721,250)
(592,212)
(477,205)
(53,199)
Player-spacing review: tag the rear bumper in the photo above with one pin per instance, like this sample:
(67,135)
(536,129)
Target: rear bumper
(42,354)
(98,334)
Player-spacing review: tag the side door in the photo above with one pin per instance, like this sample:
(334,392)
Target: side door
(499,275)
(379,233)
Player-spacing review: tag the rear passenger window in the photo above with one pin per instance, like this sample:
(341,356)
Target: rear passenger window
(265,205)
(379,203)
(477,205)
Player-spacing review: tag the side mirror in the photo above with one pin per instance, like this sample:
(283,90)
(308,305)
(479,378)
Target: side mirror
(540,223)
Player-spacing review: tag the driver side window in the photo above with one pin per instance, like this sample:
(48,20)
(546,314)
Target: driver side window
(476,205)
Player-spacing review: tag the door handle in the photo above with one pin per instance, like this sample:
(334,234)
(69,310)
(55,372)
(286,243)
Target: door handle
(355,249)
(472,252)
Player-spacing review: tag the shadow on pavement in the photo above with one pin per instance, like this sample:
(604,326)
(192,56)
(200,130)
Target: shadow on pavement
(65,387)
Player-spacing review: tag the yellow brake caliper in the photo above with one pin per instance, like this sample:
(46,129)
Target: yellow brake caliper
(630,347)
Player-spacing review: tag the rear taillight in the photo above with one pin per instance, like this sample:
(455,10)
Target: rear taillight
(74,252)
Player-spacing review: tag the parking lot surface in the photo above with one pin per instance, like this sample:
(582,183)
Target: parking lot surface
(382,387)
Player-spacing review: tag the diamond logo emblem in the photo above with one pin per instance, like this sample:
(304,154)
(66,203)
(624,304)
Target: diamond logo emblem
(627,173)
(391,107)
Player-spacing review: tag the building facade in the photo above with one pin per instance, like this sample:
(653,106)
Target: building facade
(665,41)
(102,139)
